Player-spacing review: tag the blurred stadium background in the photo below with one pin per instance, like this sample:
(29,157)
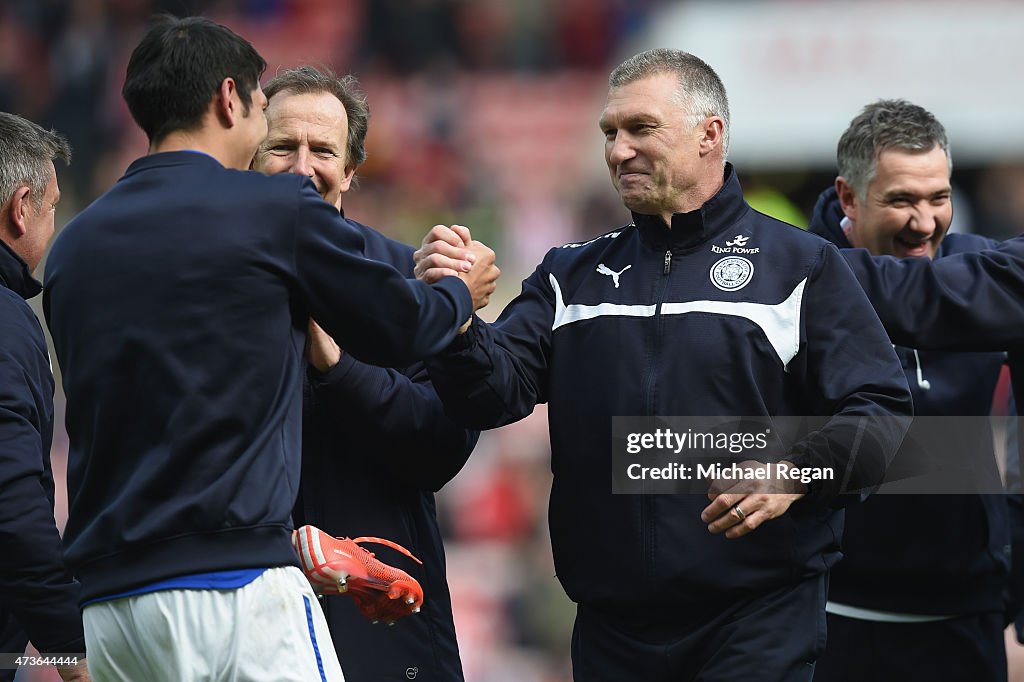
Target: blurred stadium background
(484,112)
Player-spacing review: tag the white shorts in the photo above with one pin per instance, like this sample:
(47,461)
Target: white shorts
(271,630)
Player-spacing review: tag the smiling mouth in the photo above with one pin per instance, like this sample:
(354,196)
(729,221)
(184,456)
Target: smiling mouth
(917,245)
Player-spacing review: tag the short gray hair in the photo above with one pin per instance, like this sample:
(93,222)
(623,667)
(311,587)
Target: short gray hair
(700,89)
(25,151)
(310,80)
(886,124)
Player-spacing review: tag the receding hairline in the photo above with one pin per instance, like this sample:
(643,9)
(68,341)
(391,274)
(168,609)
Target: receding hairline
(286,93)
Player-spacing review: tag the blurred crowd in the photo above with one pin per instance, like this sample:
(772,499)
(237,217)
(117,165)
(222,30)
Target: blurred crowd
(483,113)
(502,94)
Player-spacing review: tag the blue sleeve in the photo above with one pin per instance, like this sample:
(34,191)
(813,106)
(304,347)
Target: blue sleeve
(34,584)
(852,376)
(968,301)
(496,374)
(399,410)
(368,307)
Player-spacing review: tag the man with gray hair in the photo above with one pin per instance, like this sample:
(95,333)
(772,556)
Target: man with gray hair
(715,310)
(317,124)
(38,597)
(939,589)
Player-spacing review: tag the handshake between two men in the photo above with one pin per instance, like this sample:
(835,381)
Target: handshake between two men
(445,251)
(453,251)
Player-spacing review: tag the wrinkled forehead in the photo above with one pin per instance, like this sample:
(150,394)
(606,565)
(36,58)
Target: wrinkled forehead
(314,115)
(656,95)
(909,170)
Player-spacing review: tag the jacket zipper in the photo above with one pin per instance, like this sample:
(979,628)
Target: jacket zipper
(652,370)
(647,501)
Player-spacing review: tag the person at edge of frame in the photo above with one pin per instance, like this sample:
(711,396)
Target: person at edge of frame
(38,596)
(937,591)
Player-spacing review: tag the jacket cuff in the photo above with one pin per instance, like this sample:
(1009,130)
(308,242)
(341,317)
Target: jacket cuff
(467,340)
(459,291)
(334,375)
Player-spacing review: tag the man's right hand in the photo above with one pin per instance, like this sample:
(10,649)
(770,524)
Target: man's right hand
(482,278)
(443,252)
(453,251)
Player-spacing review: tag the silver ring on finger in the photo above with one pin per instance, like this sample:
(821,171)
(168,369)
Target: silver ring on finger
(740,514)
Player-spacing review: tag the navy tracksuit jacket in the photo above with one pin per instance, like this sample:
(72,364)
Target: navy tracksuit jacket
(958,563)
(376,445)
(968,302)
(38,597)
(777,326)
(178,303)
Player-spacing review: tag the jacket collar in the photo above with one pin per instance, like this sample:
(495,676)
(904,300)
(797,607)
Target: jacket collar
(182,158)
(162,159)
(826,220)
(14,274)
(689,229)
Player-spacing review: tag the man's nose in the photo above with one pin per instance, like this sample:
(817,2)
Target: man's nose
(620,149)
(925,220)
(302,162)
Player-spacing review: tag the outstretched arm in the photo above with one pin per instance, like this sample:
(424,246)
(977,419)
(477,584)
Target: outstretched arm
(968,301)
(400,409)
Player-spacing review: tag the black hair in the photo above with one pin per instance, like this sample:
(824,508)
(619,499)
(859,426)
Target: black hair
(178,67)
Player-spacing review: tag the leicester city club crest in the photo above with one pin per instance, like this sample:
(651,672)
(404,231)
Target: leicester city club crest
(731,273)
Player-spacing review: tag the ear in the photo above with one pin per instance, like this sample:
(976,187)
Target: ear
(346,180)
(847,198)
(19,211)
(226,104)
(713,135)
